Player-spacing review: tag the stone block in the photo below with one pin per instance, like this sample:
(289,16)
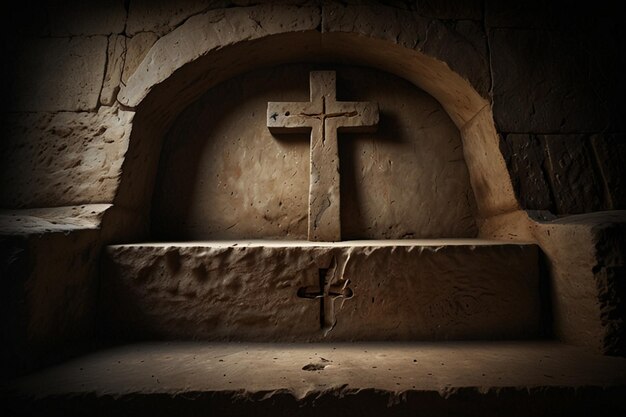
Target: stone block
(544,82)
(116,53)
(136,49)
(86,17)
(56,159)
(525,156)
(58,74)
(610,151)
(372,290)
(576,185)
(48,264)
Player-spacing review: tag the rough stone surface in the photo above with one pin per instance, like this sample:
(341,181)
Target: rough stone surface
(527,98)
(55,74)
(224,176)
(81,17)
(462,45)
(323,117)
(610,151)
(116,52)
(493,191)
(585,256)
(57,159)
(526,159)
(136,49)
(577,186)
(470,379)
(52,219)
(401,290)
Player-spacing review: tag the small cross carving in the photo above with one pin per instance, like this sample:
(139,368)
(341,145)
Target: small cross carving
(323,116)
(327,293)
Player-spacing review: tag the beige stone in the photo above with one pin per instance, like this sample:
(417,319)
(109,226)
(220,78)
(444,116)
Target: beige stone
(325,379)
(51,219)
(323,116)
(116,55)
(59,74)
(136,49)
(222,174)
(63,159)
(488,173)
(401,290)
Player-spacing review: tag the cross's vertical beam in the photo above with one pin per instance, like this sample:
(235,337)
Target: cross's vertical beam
(323,116)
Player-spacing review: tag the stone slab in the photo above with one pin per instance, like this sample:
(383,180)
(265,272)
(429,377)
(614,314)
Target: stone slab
(391,379)
(62,159)
(247,290)
(136,49)
(56,74)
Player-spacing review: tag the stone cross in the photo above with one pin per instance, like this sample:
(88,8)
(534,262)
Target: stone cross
(323,116)
(326,292)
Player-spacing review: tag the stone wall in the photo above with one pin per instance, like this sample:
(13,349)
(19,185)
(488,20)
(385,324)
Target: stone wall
(552,75)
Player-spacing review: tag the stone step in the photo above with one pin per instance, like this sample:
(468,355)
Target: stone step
(445,378)
(310,291)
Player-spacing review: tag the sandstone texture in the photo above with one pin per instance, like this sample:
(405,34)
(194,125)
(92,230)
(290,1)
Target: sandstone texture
(323,117)
(116,54)
(398,290)
(56,74)
(136,49)
(63,159)
(585,257)
(390,379)
(223,175)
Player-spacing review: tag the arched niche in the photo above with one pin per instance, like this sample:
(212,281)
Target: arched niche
(183,65)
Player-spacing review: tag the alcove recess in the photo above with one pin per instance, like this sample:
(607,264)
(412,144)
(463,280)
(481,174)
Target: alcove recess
(223,175)
(229,257)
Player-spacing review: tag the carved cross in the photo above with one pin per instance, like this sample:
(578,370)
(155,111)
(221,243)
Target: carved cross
(323,116)
(326,292)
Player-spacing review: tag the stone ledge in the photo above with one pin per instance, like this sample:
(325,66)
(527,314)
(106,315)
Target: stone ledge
(257,291)
(52,219)
(471,378)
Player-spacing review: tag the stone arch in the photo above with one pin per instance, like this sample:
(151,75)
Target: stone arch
(214,46)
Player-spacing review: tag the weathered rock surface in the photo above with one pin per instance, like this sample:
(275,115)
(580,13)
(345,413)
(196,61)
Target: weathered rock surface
(56,74)
(451,9)
(572,170)
(116,54)
(493,191)
(610,151)
(57,159)
(136,49)
(526,159)
(470,379)
(223,175)
(526,64)
(396,290)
